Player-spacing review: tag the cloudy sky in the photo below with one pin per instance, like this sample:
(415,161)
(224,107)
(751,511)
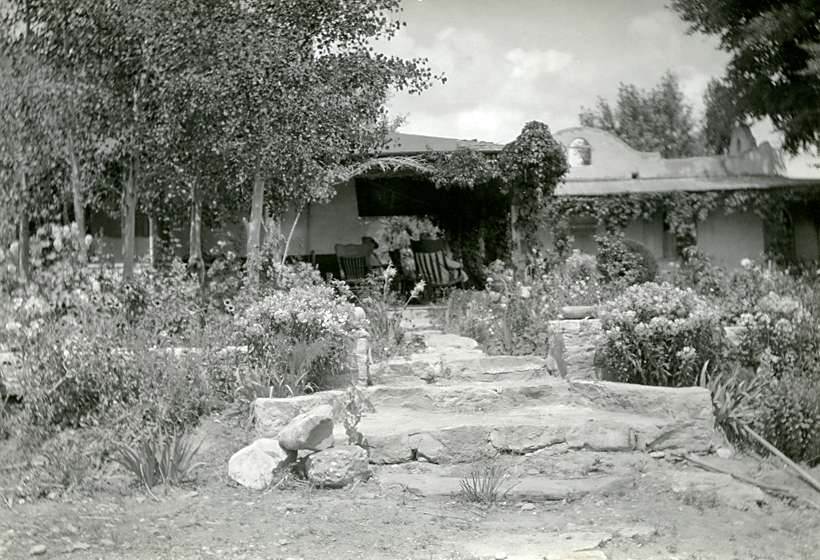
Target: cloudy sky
(511,61)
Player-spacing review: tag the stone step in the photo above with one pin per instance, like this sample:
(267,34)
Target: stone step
(401,434)
(456,366)
(527,488)
(686,404)
(420,317)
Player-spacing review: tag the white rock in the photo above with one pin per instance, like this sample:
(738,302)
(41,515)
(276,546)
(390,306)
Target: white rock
(254,466)
(311,430)
(338,467)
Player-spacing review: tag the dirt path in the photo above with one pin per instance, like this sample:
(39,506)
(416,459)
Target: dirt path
(371,521)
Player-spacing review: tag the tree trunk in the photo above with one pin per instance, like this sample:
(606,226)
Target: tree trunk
(152,241)
(77,195)
(254,227)
(195,262)
(129,220)
(23,256)
(515,238)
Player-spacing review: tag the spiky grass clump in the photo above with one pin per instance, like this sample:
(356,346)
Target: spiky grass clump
(486,485)
(160,459)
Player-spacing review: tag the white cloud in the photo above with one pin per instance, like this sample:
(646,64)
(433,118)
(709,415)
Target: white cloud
(531,63)
(655,24)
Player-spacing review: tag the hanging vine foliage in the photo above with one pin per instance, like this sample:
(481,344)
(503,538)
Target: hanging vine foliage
(682,211)
(531,166)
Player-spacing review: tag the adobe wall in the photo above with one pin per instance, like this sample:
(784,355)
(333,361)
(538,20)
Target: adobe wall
(730,238)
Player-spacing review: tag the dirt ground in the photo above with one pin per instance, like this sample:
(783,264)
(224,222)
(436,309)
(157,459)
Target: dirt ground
(211,519)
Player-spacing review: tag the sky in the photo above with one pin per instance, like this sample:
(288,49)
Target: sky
(512,61)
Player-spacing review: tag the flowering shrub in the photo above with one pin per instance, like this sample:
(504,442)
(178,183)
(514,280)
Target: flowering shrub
(384,310)
(509,317)
(625,261)
(788,413)
(577,280)
(657,334)
(781,330)
(315,317)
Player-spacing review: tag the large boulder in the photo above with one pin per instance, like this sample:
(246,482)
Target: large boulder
(310,431)
(255,465)
(337,467)
(271,415)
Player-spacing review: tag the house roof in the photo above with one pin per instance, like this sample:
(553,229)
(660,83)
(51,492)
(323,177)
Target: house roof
(400,143)
(613,162)
(687,184)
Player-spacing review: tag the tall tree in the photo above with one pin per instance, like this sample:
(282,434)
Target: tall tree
(656,120)
(719,118)
(281,93)
(773,69)
(28,96)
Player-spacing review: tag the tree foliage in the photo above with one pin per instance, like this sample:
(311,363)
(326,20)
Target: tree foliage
(658,120)
(773,71)
(719,118)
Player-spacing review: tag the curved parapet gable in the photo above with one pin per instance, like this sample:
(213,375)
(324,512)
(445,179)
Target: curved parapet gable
(611,158)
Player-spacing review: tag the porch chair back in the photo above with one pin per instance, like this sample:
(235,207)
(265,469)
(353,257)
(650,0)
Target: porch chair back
(352,260)
(431,265)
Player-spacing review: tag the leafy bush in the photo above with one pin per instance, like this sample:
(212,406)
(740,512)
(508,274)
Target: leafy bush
(315,317)
(577,280)
(625,261)
(657,334)
(788,413)
(697,271)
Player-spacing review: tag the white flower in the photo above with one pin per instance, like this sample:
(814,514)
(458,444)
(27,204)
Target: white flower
(746,263)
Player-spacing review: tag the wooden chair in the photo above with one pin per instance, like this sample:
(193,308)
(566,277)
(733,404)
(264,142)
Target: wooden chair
(434,266)
(352,260)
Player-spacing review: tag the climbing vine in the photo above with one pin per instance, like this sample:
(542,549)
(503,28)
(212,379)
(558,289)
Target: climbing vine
(681,211)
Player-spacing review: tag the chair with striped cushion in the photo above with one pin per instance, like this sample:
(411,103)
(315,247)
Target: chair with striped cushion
(352,260)
(434,266)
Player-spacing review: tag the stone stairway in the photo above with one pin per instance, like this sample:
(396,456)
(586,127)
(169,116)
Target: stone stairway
(442,412)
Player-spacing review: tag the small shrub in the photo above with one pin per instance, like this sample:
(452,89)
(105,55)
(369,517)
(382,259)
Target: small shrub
(659,335)
(486,485)
(625,261)
(788,414)
(697,271)
(385,311)
(160,459)
(782,331)
(313,317)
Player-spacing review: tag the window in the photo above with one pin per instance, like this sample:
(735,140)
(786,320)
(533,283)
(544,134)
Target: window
(580,153)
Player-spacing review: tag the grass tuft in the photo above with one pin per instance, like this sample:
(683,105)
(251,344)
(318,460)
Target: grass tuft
(486,485)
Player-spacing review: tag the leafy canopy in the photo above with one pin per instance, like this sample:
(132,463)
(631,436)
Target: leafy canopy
(658,120)
(774,67)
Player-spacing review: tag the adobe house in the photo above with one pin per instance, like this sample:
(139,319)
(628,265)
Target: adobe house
(600,165)
(603,165)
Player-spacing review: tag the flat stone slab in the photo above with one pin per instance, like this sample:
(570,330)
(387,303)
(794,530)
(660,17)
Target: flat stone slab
(456,437)
(491,368)
(271,415)
(532,489)
(575,545)
(707,489)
